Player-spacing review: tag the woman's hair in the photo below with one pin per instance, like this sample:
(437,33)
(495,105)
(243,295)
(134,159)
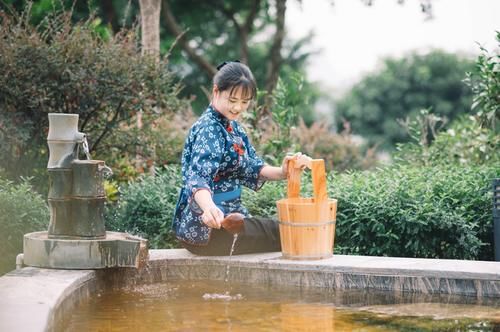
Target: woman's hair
(234,75)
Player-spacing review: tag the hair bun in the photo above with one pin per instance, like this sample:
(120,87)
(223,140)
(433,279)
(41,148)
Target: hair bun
(225,63)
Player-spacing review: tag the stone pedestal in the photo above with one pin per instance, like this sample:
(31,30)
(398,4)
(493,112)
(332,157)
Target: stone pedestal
(114,250)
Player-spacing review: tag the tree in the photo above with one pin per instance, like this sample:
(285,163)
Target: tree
(237,22)
(150,25)
(400,89)
(205,33)
(70,68)
(150,37)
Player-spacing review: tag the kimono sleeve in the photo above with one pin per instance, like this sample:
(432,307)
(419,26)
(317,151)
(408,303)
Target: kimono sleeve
(251,178)
(206,155)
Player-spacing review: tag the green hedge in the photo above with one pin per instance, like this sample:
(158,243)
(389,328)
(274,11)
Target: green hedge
(431,212)
(21,211)
(146,208)
(407,211)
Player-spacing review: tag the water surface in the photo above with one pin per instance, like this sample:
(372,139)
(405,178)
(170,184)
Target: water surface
(219,306)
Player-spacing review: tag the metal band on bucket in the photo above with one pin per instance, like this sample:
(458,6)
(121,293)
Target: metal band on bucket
(298,224)
(305,257)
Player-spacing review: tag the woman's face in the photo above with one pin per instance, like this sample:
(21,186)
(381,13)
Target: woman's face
(231,105)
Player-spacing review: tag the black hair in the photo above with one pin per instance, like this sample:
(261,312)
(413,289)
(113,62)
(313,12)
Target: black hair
(233,75)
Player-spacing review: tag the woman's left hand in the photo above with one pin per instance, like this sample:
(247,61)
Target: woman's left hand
(284,164)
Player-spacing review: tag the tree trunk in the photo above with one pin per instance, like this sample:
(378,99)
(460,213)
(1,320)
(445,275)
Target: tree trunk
(150,40)
(150,24)
(276,59)
(108,10)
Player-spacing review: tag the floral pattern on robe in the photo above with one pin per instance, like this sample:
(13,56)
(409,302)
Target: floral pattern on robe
(218,157)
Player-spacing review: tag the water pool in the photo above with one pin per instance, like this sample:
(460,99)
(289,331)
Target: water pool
(213,305)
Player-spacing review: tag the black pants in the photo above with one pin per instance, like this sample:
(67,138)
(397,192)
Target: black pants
(259,235)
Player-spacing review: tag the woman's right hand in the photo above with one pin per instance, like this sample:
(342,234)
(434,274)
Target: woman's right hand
(212,217)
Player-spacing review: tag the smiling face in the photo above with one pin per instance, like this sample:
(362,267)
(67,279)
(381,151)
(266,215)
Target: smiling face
(232,102)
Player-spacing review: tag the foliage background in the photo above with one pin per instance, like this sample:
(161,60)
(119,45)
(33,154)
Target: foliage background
(434,201)
(440,211)
(70,68)
(400,89)
(22,211)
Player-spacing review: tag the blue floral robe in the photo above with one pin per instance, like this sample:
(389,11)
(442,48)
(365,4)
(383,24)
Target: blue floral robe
(217,156)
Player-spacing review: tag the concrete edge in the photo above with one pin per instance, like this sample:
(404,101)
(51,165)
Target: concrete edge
(371,265)
(32,296)
(46,296)
(476,279)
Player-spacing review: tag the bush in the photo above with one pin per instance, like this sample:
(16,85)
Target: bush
(262,203)
(61,67)
(339,151)
(412,211)
(441,211)
(21,211)
(146,208)
(485,84)
(271,136)
(286,130)
(407,211)
(466,142)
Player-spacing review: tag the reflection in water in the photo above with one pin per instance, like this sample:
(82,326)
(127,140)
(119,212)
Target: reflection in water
(181,306)
(301,316)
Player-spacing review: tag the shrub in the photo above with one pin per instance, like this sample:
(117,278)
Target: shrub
(21,211)
(146,208)
(339,151)
(466,142)
(262,203)
(284,130)
(61,67)
(442,211)
(411,211)
(272,137)
(170,132)
(485,84)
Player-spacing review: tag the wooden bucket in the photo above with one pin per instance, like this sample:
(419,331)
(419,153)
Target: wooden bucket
(307,225)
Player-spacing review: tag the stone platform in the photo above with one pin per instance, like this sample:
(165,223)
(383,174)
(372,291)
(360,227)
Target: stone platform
(34,299)
(417,275)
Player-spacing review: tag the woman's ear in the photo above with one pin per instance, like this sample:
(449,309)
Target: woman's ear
(215,90)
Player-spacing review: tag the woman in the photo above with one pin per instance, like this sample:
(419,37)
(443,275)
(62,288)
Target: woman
(217,160)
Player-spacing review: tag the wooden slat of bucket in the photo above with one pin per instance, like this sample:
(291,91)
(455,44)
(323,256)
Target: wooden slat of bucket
(317,167)
(293,177)
(319,180)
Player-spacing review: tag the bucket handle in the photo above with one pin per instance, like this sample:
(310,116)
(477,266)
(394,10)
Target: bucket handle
(317,166)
